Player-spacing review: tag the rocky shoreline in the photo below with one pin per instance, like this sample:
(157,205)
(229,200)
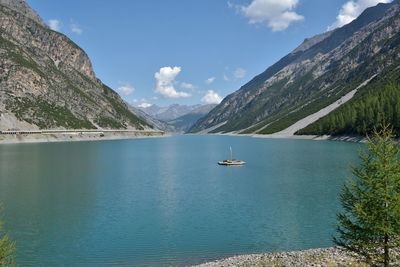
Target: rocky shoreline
(319,257)
(73,137)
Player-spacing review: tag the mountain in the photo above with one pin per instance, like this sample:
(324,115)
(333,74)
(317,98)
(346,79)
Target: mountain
(24,9)
(323,75)
(152,110)
(47,81)
(376,105)
(170,112)
(161,125)
(185,122)
(175,117)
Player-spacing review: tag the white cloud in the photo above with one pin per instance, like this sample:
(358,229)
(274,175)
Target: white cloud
(145,105)
(275,14)
(210,80)
(75,28)
(211,97)
(126,89)
(188,86)
(54,24)
(165,79)
(239,73)
(352,9)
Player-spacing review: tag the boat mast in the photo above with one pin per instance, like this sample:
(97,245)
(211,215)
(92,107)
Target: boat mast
(231,152)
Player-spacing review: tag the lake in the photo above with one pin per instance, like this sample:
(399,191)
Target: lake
(165,201)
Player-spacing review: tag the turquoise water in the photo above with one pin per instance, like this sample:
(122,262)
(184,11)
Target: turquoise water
(166,202)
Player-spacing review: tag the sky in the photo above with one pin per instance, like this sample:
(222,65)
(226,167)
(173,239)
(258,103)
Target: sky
(190,51)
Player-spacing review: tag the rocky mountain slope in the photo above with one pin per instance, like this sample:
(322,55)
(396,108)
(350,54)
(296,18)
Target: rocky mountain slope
(186,121)
(23,8)
(158,124)
(170,112)
(47,81)
(175,117)
(319,72)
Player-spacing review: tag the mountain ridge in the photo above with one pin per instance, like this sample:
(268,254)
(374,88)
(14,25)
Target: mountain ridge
(177,118)
(170,112)
(311,77)
(184,122)
(48,82)
(23,8)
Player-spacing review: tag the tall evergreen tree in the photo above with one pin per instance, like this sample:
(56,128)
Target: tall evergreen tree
(370,222)
(7,248)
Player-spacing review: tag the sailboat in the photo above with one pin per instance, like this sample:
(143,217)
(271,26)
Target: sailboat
(231,162)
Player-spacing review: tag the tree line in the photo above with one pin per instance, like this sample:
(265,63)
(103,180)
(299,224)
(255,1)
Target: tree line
(362,115)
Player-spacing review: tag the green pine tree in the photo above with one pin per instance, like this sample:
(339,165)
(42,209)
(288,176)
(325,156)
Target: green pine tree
(370,222)
(7,248)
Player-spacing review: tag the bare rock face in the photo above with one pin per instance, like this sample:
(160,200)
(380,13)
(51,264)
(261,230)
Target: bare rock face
(316,74)
(47,81)
(23,8)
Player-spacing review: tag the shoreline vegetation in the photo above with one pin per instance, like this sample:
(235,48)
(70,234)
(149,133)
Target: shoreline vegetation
(74,136)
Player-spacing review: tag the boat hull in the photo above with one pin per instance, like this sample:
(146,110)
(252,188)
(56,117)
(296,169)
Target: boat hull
(231,163)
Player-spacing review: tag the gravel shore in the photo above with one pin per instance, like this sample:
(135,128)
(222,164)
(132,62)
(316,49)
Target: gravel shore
(72,137)
(312,257)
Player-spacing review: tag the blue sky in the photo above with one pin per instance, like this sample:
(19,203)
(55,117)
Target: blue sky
(188,52)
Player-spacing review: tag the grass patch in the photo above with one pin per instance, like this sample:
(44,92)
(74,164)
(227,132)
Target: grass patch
(107,122)
(46,115)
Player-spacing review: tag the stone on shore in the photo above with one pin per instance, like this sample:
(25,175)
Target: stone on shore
(313,257)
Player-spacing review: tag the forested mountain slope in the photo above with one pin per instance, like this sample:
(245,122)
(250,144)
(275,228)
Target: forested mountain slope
(377,104)
(316,74)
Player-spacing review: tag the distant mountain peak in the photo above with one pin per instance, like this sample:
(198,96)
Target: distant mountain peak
(174,111)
